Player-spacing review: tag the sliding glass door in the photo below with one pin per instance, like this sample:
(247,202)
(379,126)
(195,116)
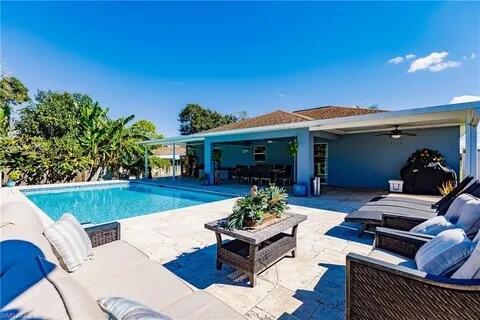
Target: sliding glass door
(320,161)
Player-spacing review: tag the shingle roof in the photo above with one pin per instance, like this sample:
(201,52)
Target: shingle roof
(282,117)
(329,112)
(268,119)
(168,150)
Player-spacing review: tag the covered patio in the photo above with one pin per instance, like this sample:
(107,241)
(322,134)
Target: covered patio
(360,151)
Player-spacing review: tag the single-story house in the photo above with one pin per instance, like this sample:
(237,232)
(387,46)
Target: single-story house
(344,146)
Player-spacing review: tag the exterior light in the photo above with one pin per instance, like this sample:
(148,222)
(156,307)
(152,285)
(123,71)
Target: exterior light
(396,136)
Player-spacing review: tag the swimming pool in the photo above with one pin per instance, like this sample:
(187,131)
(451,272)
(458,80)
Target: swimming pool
(101,203)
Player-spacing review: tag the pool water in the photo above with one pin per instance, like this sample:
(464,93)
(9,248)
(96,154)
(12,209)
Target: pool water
(102,203)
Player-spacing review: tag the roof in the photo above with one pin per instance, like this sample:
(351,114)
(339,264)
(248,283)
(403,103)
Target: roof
(168,150)
(329,112)
(420,117)
(282,117)
(272,118)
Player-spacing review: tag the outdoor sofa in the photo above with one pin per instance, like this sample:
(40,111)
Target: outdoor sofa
(404,212)
(117,270)
(386,284)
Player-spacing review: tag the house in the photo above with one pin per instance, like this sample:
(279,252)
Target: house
(345,146)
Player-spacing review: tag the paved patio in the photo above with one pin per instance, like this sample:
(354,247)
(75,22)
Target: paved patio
(310,286)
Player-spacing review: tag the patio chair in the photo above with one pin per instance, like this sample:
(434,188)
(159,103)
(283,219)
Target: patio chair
(371,216)
(255,174)
(244,174)
(386,285)
(266,174)
(284,176)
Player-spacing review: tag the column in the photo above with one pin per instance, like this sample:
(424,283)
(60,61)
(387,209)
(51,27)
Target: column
(174,162)
(471,151)
(207,162)
(305,158)
(145,163)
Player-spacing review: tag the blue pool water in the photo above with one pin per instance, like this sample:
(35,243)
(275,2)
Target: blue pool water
(96,204)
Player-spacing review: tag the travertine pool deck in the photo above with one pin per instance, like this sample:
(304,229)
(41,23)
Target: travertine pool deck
(310,286)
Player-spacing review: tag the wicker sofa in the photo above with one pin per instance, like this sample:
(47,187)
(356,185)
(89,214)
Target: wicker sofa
(386,285)
(118,269)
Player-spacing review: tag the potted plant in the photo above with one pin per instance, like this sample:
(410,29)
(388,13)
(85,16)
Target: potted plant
(13,177)
(298,189)
(217,157)
(258,207)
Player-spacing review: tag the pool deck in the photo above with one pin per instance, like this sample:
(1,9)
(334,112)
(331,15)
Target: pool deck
(310,286)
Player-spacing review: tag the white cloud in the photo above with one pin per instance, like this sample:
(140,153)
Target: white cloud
(473,56)
(465,58)
(410,56)
(434,62)
(465,98)
(281,95)
(395,60)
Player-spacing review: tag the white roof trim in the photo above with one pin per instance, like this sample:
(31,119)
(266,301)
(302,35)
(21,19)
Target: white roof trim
(468,111)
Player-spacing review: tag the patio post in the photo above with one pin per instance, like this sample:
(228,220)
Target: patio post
(207,145)
(145,163)
(173,161)
(471,151)
(305,158)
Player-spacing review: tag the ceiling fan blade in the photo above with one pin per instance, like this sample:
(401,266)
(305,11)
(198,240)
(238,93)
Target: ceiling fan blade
(383,134)
(409,134)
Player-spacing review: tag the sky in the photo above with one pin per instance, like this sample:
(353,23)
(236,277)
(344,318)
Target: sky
(152,58)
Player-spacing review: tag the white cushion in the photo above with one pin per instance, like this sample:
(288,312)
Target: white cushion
(471,268)
(126,309)
(453,212)
(70,241)
(469,219)
(433,226)
(444,253)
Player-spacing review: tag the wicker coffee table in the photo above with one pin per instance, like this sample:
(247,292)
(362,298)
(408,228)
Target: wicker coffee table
(253,251)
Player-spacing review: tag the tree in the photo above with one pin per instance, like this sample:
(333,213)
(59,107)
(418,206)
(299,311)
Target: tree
(194,118)
(12,92)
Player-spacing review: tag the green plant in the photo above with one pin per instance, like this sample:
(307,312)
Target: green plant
(253,207)
(14,175)
(425,156)
(276,198)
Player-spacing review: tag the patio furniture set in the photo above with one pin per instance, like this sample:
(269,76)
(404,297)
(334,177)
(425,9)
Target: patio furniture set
(394,281)
(263,174)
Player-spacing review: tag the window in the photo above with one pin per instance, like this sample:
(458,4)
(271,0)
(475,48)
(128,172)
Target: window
(259,153)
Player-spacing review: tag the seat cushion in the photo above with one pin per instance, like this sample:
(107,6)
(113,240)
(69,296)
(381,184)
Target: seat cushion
(71,242)
(392,258)
(433,226)
(21,236)
(38,289)
(201,305)
(471,268)
(442,255)
(453,212)
(148,283)
(126,309)
(469,219)
(109,259)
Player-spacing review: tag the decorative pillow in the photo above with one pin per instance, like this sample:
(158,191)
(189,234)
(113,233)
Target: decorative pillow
(433,226)
(125,309)
(70,241)
(471,268)
(444,253)
(453,212)
(469,219)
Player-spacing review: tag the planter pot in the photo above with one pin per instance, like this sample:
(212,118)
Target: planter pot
(250,223)
(11,183)
(299,190)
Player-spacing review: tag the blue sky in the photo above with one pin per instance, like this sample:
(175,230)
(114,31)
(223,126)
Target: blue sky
(150,59)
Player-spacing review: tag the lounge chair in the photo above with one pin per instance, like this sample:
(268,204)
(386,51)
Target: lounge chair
(118,269)
(284,176)
(371,215)
(386,285)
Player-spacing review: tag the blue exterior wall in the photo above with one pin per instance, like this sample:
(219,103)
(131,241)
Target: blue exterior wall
(365,160)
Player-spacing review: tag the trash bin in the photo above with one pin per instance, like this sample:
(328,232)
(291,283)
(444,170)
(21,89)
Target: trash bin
(396,185)
(316,186)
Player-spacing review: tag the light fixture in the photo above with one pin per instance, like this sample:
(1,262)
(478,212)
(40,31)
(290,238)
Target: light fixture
(396,136)
(269,141)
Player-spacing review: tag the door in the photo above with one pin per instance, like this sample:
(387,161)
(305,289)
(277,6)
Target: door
(320,161)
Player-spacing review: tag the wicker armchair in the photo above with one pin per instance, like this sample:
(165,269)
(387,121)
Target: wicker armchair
(379,290)
(103,233)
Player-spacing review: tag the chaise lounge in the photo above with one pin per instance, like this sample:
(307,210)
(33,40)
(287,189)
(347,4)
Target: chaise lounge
(117,270)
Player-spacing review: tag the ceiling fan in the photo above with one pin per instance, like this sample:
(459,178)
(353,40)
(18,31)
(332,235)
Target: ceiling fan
(396,133)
